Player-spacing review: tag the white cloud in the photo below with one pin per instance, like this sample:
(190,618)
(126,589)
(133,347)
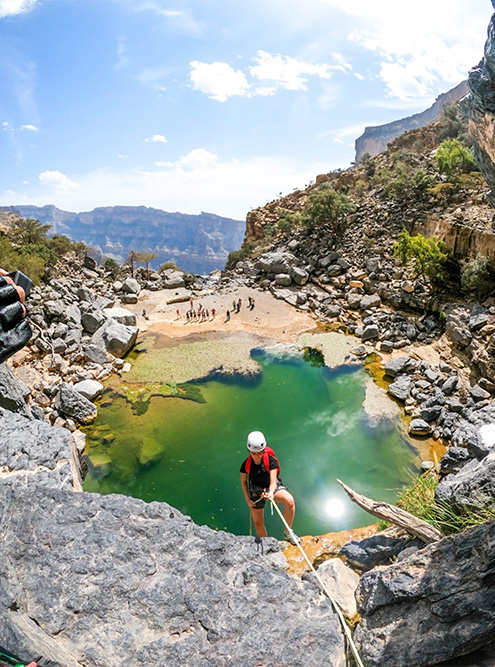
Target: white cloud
(287,72)
(12,7)
(57,180)
(198,159)
(218,80)
(157,138)
(31,128)
(198,181)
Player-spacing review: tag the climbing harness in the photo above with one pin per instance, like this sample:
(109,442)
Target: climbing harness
(8,659)
(347,631)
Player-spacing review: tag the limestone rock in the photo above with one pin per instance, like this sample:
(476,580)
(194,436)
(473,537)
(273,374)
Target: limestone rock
(437,604)
(12,392)
(401,388)
(88,388)
(473,486)
(72,403)
(131,286)
(144,581)
(419,427)
(120,315)
(341,583)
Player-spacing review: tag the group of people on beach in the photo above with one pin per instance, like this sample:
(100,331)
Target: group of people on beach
(199,315)
(236,307)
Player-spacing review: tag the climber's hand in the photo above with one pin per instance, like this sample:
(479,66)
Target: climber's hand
(14,328)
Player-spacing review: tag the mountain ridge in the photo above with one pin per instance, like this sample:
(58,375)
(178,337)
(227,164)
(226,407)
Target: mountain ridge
(199,243)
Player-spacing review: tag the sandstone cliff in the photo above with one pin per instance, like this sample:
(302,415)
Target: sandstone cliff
(375,139)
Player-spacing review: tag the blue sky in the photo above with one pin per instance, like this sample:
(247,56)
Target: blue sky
(211,105)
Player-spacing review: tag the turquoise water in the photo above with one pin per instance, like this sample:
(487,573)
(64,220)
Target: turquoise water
(189,454)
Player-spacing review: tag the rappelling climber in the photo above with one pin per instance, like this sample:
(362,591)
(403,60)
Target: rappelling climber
(261,481)
(15,330)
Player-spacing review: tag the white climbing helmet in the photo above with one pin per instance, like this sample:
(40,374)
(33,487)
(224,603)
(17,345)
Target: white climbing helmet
(256,441)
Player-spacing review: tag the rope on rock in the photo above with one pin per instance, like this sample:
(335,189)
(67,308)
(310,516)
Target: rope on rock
(346,628)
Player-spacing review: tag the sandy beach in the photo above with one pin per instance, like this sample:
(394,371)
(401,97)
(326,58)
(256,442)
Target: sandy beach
(272,318)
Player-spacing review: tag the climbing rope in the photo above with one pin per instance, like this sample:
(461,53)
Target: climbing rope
(347,631)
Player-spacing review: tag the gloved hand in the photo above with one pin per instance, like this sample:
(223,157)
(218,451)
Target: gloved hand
(15,330)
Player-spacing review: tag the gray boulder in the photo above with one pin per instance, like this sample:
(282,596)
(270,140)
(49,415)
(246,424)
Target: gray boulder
(283,279)
(370,301)
(121,315)
(419,427)
(379,549)
(71,403)
(13,392)
(131,286)
(54,308)
(370,332)
(276,262)
(341,582)
(96,353)
(299,276)
(89,388)
(173,279)
(473,486)
(400,365)
(115,338)
(26,444)
(437,604)
(102,577)
(401,388)
(92,320)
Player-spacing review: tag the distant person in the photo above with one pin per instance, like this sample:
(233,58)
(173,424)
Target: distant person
(213,313)
(178,313)
(191,302)
(145,315)
(252,304)
(227,318)
(261,481)
(234,306)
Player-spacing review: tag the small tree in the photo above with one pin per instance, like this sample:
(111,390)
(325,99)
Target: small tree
(428,255)
(454,159)
(326,206)
(111,266)
(131,259)
(23,232)
(145,258)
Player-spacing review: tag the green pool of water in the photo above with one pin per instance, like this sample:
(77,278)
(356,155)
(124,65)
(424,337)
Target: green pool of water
(188,453)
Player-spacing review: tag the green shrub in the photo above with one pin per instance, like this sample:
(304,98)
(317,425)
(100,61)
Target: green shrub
(454,159)
(236,256)
(326,206)
(477,275)
(111,266)
(427,254)
(288,221)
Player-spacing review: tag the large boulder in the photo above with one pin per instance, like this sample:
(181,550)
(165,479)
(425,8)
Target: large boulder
(115,338)
(121,315)
(89,388)
(276,262)
(13,392)
(108,580)
(437,604)
(173,279)
(71,403)
(26,445)
(473,486)
(131,286)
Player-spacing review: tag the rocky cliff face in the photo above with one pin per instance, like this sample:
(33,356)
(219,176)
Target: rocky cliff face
(375,139)
(196,243)
(480,109)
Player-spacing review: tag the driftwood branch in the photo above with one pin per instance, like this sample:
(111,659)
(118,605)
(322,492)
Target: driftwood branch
(395,515)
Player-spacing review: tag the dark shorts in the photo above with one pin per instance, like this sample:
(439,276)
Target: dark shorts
(256,491)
